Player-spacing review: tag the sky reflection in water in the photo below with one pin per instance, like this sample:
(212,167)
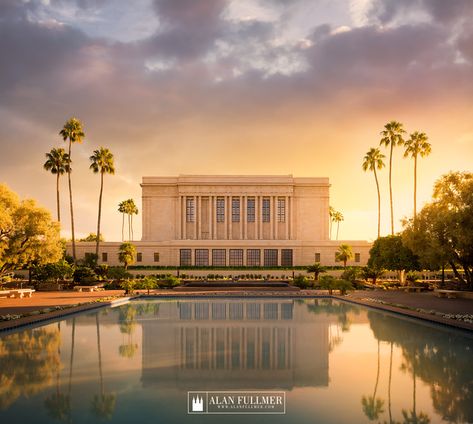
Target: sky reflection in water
(338,363)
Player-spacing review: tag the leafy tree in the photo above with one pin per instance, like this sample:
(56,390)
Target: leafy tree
(149,283)
(28,236)
(443,231)
(92,237)
(60,270)
(327,283)
(392,136)
(128,285)
(301,281)
(72,132)
(417,145)
(316,269)
(84,274)
(126,254)
(372,161)
(350,274)
(117,273)
(373,274)
(344,254)
(57,162)
(391,253)
(102,162)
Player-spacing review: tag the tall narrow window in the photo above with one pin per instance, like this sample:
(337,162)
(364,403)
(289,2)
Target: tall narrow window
(235,209)
(253,257)
(266,209)
(185,257)
(201,257)
(250,209)
(139,257)
(104,256)
(218,257)
(270,257)
(286,257)
(281,210)
(317,257)
(236,257)
(357,257)
(190,209)
(156,256)
(220,209)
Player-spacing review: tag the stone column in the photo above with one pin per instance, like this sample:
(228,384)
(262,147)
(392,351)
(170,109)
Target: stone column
(245,217)
(183,218)
(179,217)
(210,217)
(195,217)
(271,217)
(225,217)
(286,217)
(230,224)
(241,218)
(214,218)
(292,232)
(199,218)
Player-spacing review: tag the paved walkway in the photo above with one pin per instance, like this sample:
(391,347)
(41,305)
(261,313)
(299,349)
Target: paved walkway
(425,300)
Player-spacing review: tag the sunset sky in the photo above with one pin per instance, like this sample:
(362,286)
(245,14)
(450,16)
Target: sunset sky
(300,87)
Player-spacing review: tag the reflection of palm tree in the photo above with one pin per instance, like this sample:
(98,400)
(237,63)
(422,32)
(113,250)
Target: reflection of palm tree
(127,326)
(58,404)
(103,405)
(411,417)
(373,406)
(389,383)
(73,337)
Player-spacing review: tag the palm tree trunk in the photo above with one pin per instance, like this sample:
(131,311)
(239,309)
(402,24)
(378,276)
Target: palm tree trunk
(379,201)
(132,235)
(98,220)
(391,188)
(71,363)
(415,189)
(338,226)
(57,198)
(123,226)
(70,202)
(377,376)
(129,228)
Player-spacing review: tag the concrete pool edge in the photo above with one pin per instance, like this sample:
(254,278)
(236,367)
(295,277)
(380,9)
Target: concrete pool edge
(15,324)
(40,318)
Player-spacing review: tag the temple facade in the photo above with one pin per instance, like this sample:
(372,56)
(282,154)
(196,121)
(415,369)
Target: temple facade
(229,220)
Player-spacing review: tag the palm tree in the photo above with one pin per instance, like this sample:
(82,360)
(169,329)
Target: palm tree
(102,161)
(331,214)
(374,160)
(415,146)
(392,136)
(122,210)
(57,161)
(126,254)
(316,269)
(344,254)
(133,210)
(373,406)
(338,217)
(72,132)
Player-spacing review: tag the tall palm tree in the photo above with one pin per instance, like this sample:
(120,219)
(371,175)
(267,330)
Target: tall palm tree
(415,146)
(102,162)
(331,214)
(122,210)
(133,211)
(73,133)
(338,217)
(372,161)
(344,254)
(57,162)
(392,136)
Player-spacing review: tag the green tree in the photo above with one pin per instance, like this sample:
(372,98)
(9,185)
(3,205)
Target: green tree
(92,237)
(72,132)
(102,162)
(28,236)
(391,253)
(372,161)
(122,210)
(372,274)
(417,145)
(443,231)
(338,217)
(373,406)
(148,283)
(57,162)
(344,254)
(126,254)
(392,136)
(316,269)
(60,270)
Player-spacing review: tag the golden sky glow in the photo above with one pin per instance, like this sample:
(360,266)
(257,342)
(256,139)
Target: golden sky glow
(234,87)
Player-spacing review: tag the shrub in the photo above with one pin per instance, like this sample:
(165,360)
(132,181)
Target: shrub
(169,282)
(326,282)
(350,274)
(342,285)
(301,281)
(148,283)
(128,286)
(118,273)
(84,275)
(60,270)
(412,277)
(102,271)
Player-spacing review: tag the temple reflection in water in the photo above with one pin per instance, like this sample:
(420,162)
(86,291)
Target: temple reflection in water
(260,344)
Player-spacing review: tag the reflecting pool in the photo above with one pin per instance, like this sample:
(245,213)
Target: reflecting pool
(335,361)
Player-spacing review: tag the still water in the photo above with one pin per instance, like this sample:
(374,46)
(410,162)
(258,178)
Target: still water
(336,362)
